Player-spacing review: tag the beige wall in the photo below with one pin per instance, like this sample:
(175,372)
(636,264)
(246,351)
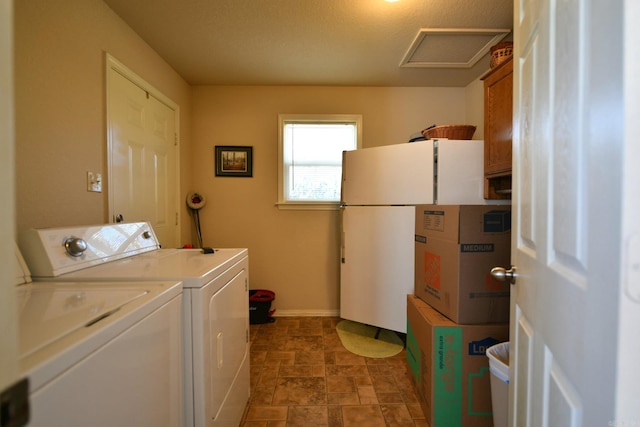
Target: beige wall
(60,135)
(60,106)
(294,253)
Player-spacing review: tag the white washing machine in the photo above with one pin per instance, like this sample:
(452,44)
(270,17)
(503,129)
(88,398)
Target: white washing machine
(215,303)
(100,354)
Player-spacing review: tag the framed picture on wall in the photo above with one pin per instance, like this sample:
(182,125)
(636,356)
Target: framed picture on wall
(234,160)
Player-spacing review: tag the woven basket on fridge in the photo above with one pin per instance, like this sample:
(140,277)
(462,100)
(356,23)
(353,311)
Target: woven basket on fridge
(450,132)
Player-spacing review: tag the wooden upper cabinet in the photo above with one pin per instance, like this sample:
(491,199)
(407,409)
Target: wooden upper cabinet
(498,117)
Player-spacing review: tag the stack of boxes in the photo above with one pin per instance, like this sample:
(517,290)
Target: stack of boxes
(458,310)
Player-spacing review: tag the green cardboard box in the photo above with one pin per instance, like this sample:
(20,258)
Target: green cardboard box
(449,367)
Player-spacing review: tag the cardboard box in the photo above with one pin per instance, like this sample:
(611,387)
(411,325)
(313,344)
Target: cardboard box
(449,367)
(456,246)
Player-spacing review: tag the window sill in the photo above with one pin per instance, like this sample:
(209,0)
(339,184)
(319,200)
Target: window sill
(309,206)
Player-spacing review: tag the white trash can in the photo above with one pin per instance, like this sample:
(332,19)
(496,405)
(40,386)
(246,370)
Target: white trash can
(499,367)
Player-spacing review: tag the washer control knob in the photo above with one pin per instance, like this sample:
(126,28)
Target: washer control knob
(75,246)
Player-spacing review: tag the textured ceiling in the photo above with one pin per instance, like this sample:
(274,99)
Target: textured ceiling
(307,42)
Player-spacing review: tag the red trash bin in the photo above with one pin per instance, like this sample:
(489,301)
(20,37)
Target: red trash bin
(260,306)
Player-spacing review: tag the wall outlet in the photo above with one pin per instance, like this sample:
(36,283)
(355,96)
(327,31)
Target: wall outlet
(94,182)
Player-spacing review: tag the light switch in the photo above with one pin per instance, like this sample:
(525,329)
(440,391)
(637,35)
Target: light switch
(94,182)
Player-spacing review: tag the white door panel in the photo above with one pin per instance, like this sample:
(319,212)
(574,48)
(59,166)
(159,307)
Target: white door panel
(143,158)
(567,198)
(522,343)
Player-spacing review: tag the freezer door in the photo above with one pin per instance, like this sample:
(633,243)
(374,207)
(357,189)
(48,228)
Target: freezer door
(460,172)
(400,174)
(377,267)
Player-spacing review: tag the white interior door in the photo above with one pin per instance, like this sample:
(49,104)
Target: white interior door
(143,158)
(567,244)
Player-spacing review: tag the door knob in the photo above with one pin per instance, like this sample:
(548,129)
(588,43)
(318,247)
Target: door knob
(119,218)
(502,275)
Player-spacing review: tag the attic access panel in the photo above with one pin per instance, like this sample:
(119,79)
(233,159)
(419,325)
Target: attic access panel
(451,47)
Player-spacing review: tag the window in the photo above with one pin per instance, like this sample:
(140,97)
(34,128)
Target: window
(310,158)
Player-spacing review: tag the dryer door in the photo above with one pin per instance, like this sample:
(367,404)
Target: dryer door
(220,348)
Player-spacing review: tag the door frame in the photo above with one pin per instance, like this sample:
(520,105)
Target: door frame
(113,64)
(628,374)
(9,357)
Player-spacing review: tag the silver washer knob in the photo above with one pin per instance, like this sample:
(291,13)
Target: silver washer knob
(75,246)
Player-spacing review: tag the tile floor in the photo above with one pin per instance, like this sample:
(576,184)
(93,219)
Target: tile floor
(301,375)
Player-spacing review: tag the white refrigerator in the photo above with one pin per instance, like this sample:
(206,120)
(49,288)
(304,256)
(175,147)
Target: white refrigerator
(380,188)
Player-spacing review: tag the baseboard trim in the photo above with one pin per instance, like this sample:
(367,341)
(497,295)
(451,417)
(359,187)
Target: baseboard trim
(306,313)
